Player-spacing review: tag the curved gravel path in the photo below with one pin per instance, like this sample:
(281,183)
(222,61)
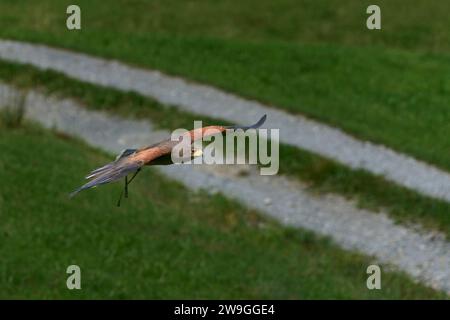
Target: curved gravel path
(426,257)
(296,130)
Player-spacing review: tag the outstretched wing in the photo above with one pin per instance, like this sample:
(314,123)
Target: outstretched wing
(253,126)
(125,153)
(130,160)
(200,133)
(127,162)
(111,172)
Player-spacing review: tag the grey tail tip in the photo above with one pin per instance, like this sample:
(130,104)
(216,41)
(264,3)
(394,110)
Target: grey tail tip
(255,126)
(261,121)
(74,193)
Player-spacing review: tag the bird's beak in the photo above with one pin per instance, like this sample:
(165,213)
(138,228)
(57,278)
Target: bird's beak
(198,152)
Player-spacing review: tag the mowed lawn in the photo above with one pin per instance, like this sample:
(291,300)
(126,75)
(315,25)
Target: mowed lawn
(164,242)
(311,57)
(320,174)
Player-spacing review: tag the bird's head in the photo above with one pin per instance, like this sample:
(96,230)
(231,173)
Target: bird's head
(196,152)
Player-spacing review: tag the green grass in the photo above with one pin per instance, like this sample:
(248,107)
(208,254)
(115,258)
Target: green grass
(310,57)
(322,175)
(418,24)
(164,242)
(315,58)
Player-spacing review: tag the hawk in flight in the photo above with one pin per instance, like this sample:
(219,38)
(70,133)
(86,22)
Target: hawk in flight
(130,161)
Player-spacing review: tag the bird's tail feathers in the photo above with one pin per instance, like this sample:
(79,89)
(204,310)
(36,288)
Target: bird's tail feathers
(108,173)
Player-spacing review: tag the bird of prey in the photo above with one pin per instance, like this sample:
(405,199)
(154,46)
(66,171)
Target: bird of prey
(130,161)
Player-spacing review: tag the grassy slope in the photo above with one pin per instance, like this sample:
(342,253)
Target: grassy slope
(321,174)
(164,242)
(388,96)
(416,24)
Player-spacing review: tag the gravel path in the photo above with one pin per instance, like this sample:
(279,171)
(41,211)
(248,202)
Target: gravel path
(296,130)
(426,257)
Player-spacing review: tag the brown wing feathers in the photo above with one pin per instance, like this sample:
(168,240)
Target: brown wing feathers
(212,130)
(131,160)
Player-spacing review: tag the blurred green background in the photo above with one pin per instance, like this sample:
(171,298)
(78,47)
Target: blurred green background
(316,58)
